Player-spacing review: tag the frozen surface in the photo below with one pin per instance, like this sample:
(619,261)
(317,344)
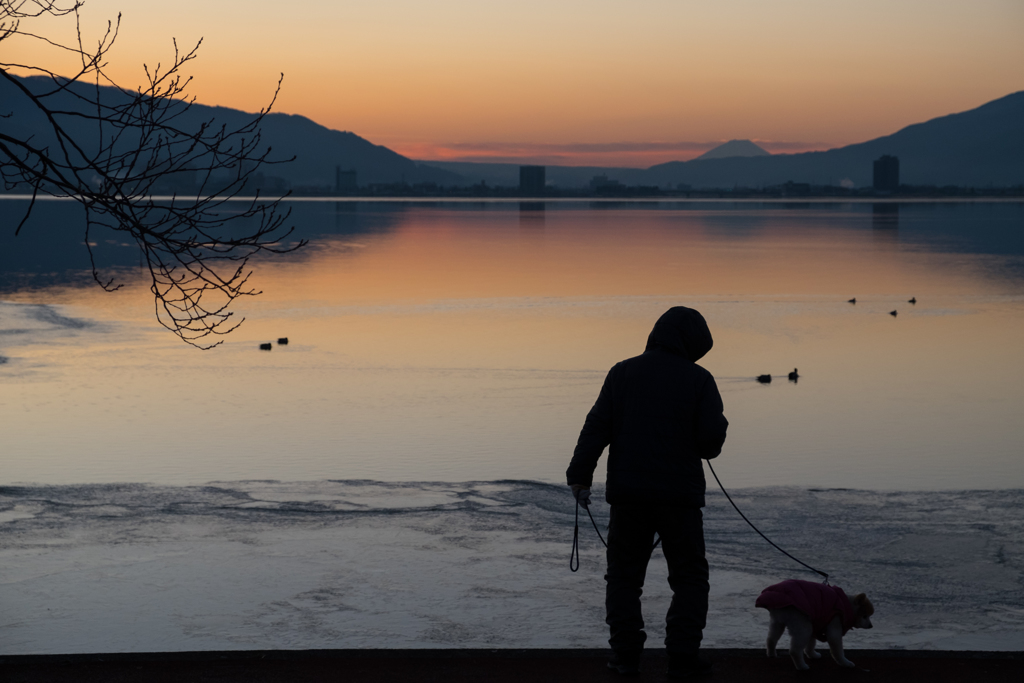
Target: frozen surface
(349,564)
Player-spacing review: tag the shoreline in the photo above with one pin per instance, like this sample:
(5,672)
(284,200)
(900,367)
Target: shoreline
(498,665)
(358,565)
(538,203)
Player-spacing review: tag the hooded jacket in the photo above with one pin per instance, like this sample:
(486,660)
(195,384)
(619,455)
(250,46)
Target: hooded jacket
(818,602)
(659,413)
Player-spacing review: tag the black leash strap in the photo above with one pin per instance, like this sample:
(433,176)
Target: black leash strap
(575,555)
(817,571)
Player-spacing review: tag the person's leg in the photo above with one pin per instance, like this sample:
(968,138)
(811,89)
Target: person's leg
(630,536)
(682,537)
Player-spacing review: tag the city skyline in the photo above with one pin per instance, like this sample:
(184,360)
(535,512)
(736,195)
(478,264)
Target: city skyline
(583,83)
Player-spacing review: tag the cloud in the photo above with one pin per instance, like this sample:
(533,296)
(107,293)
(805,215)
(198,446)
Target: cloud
(635,154)
(580,147)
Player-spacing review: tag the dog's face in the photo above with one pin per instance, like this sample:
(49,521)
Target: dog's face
(863,609)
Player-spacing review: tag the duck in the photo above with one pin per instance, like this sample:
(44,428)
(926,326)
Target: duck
(892,313)
(794,376)
(852,301)
(764,379)
(913,300)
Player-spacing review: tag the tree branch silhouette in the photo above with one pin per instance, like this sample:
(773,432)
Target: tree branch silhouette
(142,162)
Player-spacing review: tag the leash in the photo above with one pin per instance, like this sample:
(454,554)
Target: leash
(574,557)
(729,498)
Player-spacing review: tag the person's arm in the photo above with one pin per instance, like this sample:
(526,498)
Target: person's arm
(711,422)
(594,437)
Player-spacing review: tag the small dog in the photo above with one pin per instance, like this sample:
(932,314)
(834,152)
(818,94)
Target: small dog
(812,610)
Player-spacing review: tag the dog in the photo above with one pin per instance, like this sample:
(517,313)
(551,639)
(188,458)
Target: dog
(811,610)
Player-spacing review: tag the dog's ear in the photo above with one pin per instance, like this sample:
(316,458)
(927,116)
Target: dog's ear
(862,605)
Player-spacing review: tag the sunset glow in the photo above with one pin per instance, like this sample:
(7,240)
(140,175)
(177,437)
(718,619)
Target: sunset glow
(626,154)
(583,83)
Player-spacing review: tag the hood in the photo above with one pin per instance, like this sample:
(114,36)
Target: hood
(683,331)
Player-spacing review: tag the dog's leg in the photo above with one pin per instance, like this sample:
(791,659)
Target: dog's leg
(800,636)
(811,650)
(776,627)
(834,634)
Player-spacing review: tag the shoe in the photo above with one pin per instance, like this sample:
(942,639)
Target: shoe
(687,667)
(625,664)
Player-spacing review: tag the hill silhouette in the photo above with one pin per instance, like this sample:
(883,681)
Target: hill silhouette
(317,149)
(977,148)
(983,147)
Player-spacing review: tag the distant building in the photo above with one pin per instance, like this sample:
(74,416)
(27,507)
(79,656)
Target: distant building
(887,173)
(791,189)
(531,179)
(344,181)
(601,184)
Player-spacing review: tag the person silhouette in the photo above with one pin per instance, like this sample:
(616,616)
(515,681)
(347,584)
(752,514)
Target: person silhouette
(659,414)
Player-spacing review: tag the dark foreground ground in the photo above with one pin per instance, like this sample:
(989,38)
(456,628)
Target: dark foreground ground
(455,666)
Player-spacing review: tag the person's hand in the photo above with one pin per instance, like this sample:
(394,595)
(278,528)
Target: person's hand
(582,495)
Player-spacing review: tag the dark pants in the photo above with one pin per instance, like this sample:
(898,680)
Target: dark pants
(630,537)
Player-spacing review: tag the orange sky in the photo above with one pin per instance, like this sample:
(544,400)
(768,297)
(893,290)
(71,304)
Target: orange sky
(596,82)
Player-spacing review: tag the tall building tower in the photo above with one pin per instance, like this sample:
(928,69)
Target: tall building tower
(887,173)
(531,180)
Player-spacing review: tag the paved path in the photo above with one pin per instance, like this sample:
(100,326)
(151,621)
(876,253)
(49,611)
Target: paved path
(498,666)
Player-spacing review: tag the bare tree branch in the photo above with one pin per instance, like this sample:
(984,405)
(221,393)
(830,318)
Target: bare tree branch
(197,242)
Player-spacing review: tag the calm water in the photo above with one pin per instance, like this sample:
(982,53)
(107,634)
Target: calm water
(393,477)
(462,342)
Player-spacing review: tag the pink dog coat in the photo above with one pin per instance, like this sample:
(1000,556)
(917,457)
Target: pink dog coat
(818,602)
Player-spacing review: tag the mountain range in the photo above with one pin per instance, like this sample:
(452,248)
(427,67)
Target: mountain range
(983,147)
(317,150)
(977,148)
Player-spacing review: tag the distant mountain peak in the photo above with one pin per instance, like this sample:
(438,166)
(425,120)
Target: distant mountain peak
(735,148)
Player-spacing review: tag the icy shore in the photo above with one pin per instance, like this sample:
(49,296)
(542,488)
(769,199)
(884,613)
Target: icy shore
(353,564)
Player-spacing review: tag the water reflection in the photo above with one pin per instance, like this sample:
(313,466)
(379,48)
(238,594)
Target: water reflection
(50,249)
(445,342)
(51,244)
(531,214)
(885,216)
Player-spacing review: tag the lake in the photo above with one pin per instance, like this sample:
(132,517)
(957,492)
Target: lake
(394,475)
(467,341)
